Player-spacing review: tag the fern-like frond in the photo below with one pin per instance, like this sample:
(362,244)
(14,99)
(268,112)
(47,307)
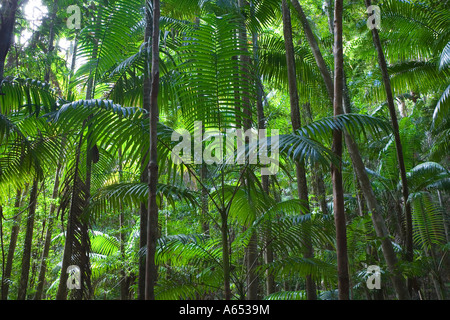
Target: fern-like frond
(428,223)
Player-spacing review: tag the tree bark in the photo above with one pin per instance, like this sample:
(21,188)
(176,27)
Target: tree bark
(51,39)
(48,236)
(12,247)
(151,273)
(225,255)
(26,258)
(146,102)
(251,249)
(336,171)
(7,20)
(315,48)
(268,251)
(124,283)
(296,124)
(398,144)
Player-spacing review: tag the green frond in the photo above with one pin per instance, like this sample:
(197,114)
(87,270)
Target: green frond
(442,110)
(103,244)
(286,295)
(208,78)
(428,223)
(445,57)
(33,95)
(317,268)
(428,175)
(304,144)
(117,196)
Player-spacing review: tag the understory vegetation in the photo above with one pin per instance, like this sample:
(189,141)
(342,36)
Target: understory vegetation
(88,175)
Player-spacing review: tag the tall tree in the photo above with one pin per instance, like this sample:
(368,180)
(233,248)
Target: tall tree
(336,171)
(26,258)
(251,249)
(12,246)
(296,125)
(152,223)
(146,104)
(8,12)
(268,251)
(398,143)
(358,164)
(48,235)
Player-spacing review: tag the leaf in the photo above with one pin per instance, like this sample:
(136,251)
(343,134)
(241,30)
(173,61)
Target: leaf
(428,227)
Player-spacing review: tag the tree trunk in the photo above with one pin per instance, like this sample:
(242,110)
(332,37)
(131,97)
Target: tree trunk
(48,237)
(26,258)
(336,171)
(12,247)
(251,249)
(146,102)
(268,251)
(398,144)
(51,39)
(296,124)
(75,199)
(152,223)
(7,20)
(360,170)
(204,199)
(225,255)
(315,48)
(124,283)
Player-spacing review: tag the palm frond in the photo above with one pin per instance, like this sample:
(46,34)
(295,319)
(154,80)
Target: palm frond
(208,77)
(286,295)
(317,268)
(442,110)
(428,223)
(428,175)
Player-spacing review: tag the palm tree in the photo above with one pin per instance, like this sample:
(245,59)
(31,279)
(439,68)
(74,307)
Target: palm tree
(296,124)
(7,20)
(359,166)
(338,192)
(398,143)
(152,223)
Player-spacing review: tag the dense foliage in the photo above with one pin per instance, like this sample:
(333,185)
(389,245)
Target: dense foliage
(74,141)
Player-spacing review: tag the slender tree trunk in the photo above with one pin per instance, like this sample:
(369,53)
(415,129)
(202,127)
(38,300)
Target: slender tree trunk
(296,124)
(360,170)
(336,171)
(72,67)
(146,101)
(48,236)
(251,249)
(124,283)
(318,185)
(225,255)
(7,19)
(12,247)
(75,199)
(152,223)
(26,258)
(51,39)
(314,47)
(268,251)
(398,144)
(204,199)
